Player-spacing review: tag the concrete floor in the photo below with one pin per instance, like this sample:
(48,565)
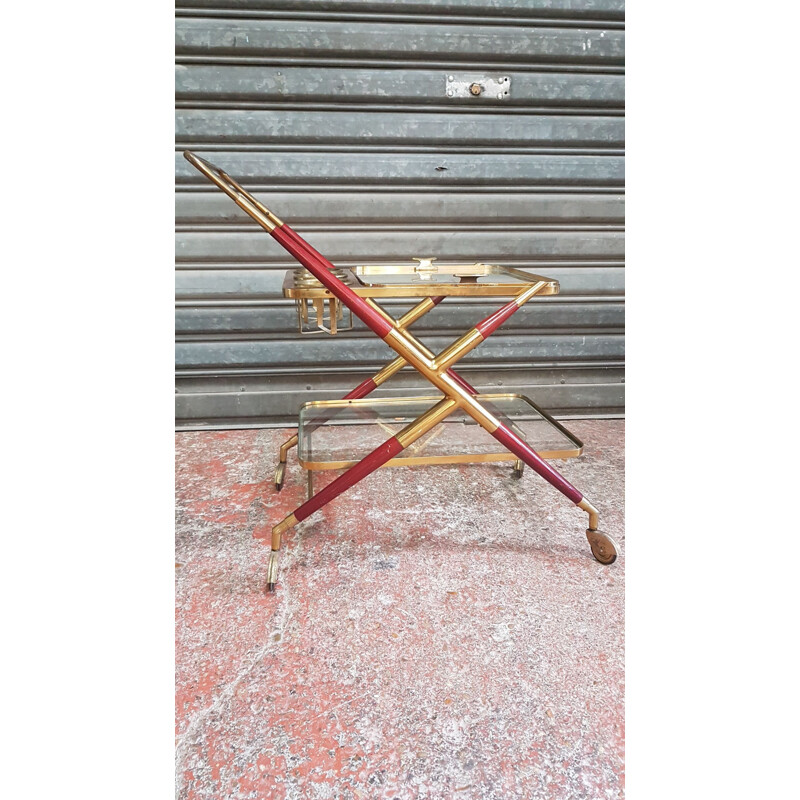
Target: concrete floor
(438,632)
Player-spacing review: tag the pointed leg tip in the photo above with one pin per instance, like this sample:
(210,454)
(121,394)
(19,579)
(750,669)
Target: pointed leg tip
(270,588)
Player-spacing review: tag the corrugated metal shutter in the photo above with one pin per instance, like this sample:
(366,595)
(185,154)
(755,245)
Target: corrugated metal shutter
(335,114)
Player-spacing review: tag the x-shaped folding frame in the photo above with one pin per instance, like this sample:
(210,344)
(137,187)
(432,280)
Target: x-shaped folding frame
(437,369)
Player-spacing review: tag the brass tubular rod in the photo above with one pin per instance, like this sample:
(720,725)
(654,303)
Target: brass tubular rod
(257,211)
(468,342)
(272,571)
(287,446)
(424,423)
(411,316)
(277,531)
(472,338)
(392,368)
(410,349)
(594,517)
(419,310)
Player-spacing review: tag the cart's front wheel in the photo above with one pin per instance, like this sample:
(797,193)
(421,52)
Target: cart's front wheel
(604,548)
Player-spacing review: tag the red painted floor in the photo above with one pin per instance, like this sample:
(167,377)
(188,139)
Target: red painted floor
(438,632)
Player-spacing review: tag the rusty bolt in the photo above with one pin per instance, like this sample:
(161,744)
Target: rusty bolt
(475,88)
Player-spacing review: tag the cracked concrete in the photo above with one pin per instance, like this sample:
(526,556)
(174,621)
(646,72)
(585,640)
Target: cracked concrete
(437,632)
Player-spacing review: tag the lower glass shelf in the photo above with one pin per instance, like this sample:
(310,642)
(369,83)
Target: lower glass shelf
(338,433)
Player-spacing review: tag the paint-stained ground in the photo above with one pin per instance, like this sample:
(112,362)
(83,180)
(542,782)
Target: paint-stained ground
(437,632)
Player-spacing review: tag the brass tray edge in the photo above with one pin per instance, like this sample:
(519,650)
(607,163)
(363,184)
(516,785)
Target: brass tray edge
(480,458)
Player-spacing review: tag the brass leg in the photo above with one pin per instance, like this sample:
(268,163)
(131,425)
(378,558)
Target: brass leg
(277,531)
(309,483)
(519,466)
(280,472)
(272,571)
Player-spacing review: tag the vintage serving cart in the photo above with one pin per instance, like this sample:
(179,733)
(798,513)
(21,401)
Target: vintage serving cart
(349,433)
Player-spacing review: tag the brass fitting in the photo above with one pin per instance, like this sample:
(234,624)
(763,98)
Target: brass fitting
(287,446)
(278,530)
(594,517)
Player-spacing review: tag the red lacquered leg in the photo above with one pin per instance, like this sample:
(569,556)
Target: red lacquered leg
(523,451)
(377,458)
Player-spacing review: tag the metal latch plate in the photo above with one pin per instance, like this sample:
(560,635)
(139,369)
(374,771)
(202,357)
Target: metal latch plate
(492,87)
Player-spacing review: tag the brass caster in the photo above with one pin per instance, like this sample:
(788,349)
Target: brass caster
(279,473)
(604,548)
(519,466)
(272,571)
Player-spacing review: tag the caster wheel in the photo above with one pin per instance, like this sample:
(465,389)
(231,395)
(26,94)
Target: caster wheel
(279,473)
(604,548)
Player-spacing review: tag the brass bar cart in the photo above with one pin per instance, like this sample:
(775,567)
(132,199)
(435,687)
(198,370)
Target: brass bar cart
(323,293)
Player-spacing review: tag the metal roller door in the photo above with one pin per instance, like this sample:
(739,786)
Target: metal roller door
(342,118)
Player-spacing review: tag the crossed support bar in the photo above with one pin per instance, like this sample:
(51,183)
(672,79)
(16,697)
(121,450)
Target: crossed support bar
(367,386)
(437,369)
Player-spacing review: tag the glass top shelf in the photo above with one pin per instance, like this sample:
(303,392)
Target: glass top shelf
(423,279)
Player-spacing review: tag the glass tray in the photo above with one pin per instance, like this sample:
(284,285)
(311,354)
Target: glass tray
(339,433)
(423,280)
